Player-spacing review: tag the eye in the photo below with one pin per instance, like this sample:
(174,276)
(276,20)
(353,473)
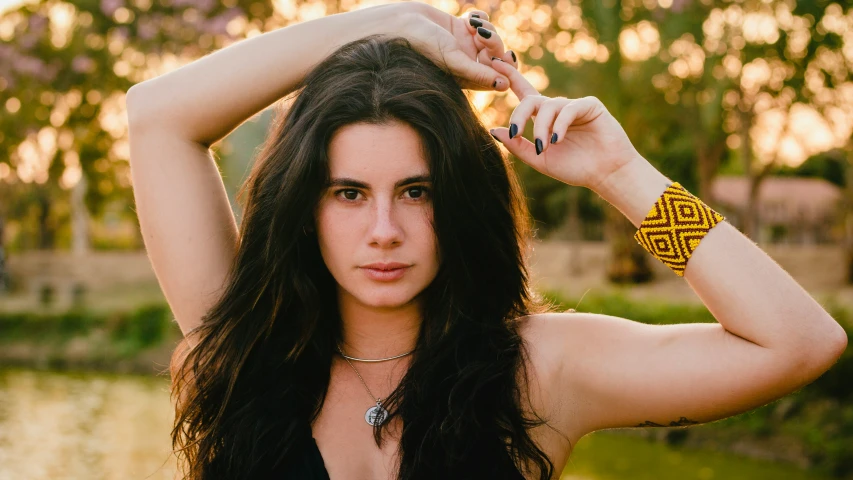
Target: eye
(423,192)
(345,191)
(351,195)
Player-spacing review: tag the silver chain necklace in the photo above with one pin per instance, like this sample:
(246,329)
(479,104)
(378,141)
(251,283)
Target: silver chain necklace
(375,415)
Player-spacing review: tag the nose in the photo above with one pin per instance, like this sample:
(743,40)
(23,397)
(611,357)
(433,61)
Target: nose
(385,229)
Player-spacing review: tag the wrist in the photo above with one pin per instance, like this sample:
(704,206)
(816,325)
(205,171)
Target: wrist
(377,19)
(634,189)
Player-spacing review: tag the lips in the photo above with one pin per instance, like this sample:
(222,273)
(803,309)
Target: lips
(385,266)
(385,272)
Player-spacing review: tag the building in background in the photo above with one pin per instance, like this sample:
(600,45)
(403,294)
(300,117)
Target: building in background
(791,210)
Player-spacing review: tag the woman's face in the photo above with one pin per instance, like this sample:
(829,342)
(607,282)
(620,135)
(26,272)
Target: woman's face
(378,209)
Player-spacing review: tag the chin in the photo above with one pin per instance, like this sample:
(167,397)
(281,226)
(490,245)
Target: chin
(386,299)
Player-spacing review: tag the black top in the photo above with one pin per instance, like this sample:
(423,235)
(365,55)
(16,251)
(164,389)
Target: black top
(312,467)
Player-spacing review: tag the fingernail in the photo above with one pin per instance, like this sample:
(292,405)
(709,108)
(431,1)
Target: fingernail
(513,129)
(475,23)
(475,15)
(514,59)
(554,137)
(491,132)
(484,33)
(496,58)
(538,146)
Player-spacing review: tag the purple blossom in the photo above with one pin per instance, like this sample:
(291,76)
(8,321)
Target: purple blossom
(37,24)
(147,28)
(7,51)
(29,65)
(679,5)
(82,64)
(122,33)
(203,6)
(217,24)
(110,6)
(28,40)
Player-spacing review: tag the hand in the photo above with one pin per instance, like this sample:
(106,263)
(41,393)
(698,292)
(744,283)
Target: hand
(590,143)
(453,43)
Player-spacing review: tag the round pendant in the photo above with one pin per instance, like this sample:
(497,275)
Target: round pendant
(375,415)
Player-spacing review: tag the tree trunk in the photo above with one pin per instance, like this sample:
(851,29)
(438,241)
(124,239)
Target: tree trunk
(79,218)
(628,261)
(574,225)
(709,157)
(748,215)
(848,212)
(4,274)
(46,231)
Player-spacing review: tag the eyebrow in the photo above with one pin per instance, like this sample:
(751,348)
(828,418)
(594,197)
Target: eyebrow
(351,182)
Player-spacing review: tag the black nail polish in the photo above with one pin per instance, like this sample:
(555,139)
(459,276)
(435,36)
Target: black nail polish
(498,59)
(513,130)
(495,85)
(494,136)
(484,33)
(475,23)
(554,137)
(538,146)
(514,59)
(477,15)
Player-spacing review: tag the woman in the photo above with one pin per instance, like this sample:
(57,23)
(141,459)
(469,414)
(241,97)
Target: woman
(378,284)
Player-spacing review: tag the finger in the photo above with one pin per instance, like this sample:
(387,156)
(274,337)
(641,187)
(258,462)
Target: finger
(545,115)
(520,86)
(484,57)
(510,57)
(522,112)
(481,14)
(474,22)
(480,75)
(520,147)
(490,40)
(578,111)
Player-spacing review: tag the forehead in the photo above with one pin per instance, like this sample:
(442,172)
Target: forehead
(378,153)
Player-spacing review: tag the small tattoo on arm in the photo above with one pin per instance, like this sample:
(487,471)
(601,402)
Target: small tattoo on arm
(678,423)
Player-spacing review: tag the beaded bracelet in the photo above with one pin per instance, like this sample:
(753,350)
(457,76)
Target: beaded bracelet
(674,227)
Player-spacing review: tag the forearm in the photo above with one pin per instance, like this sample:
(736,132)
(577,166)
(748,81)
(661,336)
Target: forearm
(205,100)
(745,290)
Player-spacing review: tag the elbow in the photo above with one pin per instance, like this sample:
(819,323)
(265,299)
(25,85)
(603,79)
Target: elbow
(823,352)
(840,343)
(132,104)
(837,342)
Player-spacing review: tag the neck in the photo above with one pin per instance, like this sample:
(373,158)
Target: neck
(371,333)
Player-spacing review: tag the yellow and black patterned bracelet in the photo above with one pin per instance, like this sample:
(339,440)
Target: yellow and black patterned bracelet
(674,227)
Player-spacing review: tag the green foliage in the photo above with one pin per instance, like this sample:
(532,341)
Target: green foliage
(126,333)
(648,311)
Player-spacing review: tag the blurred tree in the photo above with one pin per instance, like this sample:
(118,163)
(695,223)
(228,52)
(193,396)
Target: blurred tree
(767,80)
(64,73)
(690,80)
(760,56)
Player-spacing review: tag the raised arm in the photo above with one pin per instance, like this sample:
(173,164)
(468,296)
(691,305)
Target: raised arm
(187,224)
(208,98)
(772,337)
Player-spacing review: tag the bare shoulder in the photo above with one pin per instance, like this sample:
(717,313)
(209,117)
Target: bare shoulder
(545,337)
(546,334)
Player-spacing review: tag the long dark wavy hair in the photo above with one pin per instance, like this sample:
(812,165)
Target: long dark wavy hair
(249,390)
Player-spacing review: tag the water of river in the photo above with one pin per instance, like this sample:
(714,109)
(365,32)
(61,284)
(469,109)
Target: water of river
(93,426)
